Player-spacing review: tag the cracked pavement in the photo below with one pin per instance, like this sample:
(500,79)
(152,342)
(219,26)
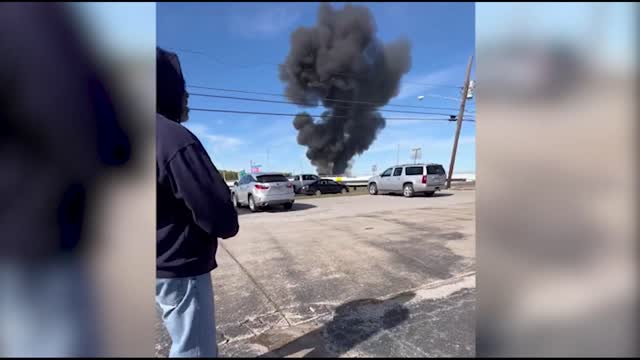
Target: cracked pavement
(349,276)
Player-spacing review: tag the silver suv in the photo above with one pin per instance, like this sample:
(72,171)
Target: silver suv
(263,189)
(409,180)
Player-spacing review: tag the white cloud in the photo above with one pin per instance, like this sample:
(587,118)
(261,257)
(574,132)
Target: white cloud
(264,21)
(284,141)
(215,142)
(428,144)
(416,85)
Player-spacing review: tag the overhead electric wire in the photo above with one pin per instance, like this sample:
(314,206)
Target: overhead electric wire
(326,98)
(290,115)
(217,60)
(293,103)
(221,62)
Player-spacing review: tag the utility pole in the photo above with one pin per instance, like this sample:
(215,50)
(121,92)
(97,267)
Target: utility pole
(465,89)
(415,152)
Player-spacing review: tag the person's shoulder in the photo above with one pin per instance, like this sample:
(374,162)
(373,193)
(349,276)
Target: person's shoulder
(171,137)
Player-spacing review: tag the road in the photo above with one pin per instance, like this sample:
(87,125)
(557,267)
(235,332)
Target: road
(349,276)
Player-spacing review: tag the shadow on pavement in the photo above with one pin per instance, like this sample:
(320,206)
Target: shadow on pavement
(353,323)
(442,194)
(439,194)
(277,209)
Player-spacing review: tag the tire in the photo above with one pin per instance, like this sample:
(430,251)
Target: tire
(288,206)
(252,204)
(373,189)
(407,190)
(429,193)
(318,192)
(344,191)
(236,204)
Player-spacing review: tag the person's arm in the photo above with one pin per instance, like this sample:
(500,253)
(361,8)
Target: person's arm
(197,181)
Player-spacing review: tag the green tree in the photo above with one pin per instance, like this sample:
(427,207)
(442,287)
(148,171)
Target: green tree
(229,175)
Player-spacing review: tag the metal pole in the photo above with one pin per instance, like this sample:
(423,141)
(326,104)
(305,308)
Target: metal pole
(415,155)
(459,122)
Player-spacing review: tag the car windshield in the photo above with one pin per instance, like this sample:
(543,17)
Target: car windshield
(271,178)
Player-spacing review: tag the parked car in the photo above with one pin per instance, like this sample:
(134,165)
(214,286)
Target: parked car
(324,186)
(409,180)
(263,189)
(299,181)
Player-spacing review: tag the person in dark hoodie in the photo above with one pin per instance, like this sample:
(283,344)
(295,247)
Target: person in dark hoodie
(60,132)
(194,209)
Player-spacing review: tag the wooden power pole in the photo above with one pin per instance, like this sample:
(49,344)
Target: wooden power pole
(459,121)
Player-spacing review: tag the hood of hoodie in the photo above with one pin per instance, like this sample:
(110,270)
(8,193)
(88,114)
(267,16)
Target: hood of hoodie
(171,94)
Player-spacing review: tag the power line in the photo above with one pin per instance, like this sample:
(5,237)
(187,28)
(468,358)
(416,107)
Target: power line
(290,115)
(288,102)
(277,64)
(325,98)
(221,62)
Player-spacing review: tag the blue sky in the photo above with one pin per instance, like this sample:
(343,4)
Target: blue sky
(128,29)
(247,39)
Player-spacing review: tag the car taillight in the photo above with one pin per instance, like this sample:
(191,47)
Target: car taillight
(424,179)
(262,187)
(289,185)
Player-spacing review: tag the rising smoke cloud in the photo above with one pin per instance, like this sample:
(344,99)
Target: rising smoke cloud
(340,64)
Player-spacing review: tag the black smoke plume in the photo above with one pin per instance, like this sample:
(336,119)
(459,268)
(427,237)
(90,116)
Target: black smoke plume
(342,65)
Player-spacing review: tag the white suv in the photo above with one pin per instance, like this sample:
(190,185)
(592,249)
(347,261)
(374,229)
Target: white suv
(409,180)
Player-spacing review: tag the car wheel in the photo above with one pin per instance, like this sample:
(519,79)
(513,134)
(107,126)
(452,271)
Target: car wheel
(318,192)
(407,190)
(429,193)
(373,189)
(344,191)
(288,206)
(235,201)
(252,204)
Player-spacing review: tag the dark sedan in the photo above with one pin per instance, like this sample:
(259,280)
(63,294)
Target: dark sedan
(324,186)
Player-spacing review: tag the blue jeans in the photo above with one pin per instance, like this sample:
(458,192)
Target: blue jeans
(188,313)
(47,310)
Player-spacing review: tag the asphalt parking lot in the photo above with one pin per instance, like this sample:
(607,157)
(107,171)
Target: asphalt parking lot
(349,276)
